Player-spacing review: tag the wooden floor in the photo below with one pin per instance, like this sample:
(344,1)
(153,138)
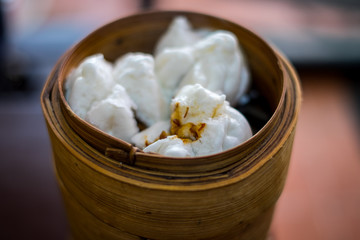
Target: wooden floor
(320,200)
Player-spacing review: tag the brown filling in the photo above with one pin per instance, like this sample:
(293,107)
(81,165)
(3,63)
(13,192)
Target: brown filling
(189,130)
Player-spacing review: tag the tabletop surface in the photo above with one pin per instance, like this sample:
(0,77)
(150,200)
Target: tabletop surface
(320,200)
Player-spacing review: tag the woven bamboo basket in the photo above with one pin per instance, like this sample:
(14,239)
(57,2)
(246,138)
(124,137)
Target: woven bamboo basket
(113,190)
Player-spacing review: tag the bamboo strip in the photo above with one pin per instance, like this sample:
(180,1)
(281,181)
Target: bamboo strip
(113,191)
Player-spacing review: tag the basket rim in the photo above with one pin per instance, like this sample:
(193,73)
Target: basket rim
(61,82)
(282,63)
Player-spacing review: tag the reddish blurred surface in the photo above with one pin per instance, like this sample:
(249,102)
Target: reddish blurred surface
(322,195)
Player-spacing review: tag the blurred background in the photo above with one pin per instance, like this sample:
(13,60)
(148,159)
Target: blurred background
(321,38)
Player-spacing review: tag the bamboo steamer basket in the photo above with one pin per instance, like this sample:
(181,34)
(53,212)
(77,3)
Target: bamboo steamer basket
(113,190)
